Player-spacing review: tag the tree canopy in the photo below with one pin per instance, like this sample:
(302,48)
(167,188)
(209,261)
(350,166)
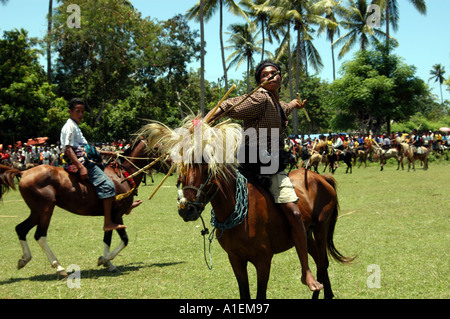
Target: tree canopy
(129,68)
(375,88)
(27,101)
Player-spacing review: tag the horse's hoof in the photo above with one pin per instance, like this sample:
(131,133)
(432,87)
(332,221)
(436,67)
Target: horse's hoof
(62,273)
(22,263)
(101,261)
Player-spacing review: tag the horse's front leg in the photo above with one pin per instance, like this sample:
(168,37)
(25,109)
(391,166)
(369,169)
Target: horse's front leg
(105,260)
(240,272)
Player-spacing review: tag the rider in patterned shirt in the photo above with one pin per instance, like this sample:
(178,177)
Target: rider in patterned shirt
(263,111)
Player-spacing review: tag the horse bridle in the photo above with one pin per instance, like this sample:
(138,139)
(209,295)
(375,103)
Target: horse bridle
(200,205)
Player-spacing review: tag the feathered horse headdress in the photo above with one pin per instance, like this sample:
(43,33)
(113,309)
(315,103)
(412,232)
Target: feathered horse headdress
(195,142)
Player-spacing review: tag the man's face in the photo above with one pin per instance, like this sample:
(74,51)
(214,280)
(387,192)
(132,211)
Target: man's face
(77,113)
(275,83)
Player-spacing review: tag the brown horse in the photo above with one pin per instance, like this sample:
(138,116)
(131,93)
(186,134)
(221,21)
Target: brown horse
(249,225)
(44,187)
(264,231)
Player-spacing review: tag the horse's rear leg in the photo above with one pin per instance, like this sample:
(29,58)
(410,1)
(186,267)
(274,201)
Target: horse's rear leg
(22,230)
(41,237)
(312,250)
(105,260)
(263,273)
(321,258)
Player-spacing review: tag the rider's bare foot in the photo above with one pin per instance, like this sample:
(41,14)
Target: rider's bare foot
(113,227)
(135,204)
(311,282)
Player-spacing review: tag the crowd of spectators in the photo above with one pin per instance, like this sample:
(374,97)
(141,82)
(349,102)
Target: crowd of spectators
(23,156)
(434,141)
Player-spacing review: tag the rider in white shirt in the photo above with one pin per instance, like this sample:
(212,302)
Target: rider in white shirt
(72,143)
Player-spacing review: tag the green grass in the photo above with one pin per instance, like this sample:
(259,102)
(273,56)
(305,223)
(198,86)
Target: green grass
(394,219)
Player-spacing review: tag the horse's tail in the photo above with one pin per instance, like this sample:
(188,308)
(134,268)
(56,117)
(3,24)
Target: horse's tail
(7,175)
(332,250)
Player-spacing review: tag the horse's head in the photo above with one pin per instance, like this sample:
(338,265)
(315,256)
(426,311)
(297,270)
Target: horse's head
(203,154)
(197,186)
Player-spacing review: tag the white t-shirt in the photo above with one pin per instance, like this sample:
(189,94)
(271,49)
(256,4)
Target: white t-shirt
(46,157)
(72,135)
(337,143)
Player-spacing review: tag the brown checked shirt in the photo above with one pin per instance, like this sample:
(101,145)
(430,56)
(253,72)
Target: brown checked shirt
(260,110)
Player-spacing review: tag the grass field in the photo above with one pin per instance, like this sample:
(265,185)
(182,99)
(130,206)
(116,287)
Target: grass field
(396,222)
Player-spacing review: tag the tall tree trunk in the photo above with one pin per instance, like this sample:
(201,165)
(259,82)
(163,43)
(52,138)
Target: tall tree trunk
(248,75)
(387,25)
(202,62)
(263,39)
(225,76)
(297,79)
(291,89)
(332,59)
(49,43)
(297,60)
(388,125)
(388,120)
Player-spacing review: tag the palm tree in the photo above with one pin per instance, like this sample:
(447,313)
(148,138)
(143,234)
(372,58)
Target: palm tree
(210,7)
(329,8)
(303,14)
(354,19)
(392,13)
(280,22)
(437,74)
(244,41)
(257,10)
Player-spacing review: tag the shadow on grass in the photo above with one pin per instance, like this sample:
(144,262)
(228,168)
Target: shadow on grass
(94,273)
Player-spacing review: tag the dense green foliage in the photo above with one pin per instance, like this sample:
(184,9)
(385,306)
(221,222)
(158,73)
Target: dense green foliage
(129,68)
(28,104)
(375,88)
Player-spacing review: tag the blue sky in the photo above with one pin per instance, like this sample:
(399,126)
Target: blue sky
(424,40)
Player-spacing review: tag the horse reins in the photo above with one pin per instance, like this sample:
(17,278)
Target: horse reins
(128,176)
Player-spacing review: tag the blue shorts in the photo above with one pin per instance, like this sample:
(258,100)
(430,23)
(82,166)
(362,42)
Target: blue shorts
(103,185)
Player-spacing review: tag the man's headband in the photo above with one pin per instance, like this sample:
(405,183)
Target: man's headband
(261,67)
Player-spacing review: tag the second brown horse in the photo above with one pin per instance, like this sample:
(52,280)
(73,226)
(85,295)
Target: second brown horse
(44,187)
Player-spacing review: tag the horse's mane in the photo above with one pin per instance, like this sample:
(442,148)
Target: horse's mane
(218,144)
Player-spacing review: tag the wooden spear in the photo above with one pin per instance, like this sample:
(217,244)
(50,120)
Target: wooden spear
(142,169)
(220,102)
(164,179)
